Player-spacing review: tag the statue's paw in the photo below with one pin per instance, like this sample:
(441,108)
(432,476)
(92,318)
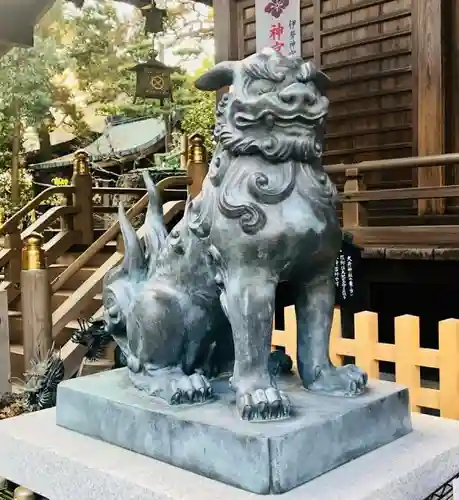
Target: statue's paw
(191,389)
(348,381)
(263,404)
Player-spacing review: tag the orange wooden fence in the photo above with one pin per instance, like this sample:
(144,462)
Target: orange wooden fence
(405,353)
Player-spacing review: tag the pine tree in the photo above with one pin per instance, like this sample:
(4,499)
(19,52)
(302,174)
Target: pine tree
(82,57)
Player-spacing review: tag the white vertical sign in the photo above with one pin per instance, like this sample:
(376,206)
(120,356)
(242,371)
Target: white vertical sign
(278,25)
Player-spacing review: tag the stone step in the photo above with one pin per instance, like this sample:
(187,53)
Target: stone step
(411,467)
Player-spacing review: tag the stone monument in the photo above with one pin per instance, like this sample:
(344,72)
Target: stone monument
(192,311)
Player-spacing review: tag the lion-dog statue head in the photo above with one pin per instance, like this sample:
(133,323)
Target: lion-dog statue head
(276,106)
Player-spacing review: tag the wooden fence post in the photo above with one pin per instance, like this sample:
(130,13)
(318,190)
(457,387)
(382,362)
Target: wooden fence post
(66,221)
(354,213)
(5,361)
(24,493)
(183,151)
(366,341)
(197,164)
(82,181)
(35,301)
(448,352)
(406,346)
(13,268)
(335,336)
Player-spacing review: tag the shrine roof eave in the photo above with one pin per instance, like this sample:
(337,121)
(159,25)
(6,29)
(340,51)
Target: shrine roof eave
(17,22)
(122,141)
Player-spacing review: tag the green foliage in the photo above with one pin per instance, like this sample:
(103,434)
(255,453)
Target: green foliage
(82,57)
(199,114)
(199,118)
(103,48)
(57,199)
(28,90)
(34,78)
(7,208)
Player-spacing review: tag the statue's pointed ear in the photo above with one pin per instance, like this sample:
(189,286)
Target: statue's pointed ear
(322,82)
(308,71)
(221,75)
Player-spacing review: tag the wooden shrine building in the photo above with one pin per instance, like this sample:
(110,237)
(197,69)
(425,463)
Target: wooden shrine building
(394,68)
(114,152)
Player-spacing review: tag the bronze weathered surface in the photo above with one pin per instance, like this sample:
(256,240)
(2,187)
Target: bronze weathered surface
(198,302)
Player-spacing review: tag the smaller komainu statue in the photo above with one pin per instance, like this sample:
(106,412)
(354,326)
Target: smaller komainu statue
(190,305)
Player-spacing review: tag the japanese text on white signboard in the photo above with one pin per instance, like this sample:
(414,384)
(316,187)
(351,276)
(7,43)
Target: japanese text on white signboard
(278,26)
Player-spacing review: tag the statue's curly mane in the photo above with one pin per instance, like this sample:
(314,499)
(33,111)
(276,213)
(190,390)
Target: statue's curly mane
(270,130)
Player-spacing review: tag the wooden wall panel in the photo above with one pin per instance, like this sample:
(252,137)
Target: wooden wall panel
(451,78)
(365,47)
(430,94)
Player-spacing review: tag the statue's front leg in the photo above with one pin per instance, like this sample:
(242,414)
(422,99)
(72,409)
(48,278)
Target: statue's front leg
(172,385)
(314,306)
(248,300)
(158,354)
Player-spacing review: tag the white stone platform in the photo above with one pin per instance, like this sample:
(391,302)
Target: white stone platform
(62,465)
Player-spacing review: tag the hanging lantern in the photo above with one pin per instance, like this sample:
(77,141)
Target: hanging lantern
(153,79)
(154,17)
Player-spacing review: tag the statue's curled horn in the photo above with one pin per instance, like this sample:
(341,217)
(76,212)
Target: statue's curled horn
(139,260)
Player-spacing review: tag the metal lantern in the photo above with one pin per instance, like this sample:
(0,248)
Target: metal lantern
(154,17)
(153,80)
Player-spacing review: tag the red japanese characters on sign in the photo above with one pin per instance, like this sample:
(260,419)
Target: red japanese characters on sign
(275,34)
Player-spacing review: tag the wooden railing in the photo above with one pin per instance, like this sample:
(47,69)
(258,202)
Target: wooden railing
(43,325)
(10,256)
(440,394)
(355,198)
(71,309)
(77,225)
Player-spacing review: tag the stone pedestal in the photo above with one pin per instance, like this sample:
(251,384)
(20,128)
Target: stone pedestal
(63,465)
(211,439)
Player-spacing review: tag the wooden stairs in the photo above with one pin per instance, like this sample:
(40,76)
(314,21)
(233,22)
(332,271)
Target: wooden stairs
(75,271)
(67,294)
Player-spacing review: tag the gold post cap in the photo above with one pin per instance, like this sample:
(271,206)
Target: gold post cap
(21,492)
(81,162)
(33,256)
(197,152)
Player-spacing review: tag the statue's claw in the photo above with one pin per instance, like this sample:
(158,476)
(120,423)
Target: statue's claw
(346,381)
(190,389)
(263,404)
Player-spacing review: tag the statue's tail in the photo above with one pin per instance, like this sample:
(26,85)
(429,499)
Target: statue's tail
(155,229)
(120,282)
(138,264)
(134,260)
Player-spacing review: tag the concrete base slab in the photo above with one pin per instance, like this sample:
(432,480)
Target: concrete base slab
(266,457)
(63,465)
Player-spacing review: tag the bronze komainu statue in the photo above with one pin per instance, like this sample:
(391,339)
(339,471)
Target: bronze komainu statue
(186,306)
